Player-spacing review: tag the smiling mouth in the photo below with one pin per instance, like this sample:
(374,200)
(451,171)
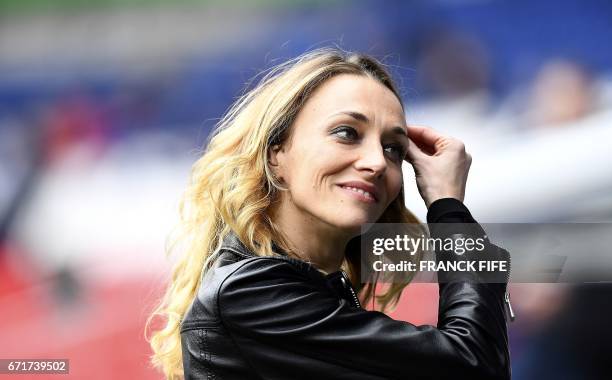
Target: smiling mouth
(360,193)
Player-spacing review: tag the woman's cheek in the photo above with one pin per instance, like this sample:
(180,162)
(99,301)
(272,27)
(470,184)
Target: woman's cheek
(395,186)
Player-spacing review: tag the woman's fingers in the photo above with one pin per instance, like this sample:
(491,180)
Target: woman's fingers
(422,138)
(413,152)
(424,135)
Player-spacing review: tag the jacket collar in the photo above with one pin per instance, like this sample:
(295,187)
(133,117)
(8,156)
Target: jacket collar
(232,242)
(338,281)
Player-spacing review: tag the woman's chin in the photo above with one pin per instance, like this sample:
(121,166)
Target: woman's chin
(353,226)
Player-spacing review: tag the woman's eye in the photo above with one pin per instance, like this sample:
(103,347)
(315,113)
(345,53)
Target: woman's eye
(346,133)
(396,151)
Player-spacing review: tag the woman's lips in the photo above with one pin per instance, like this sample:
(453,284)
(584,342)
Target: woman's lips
(358,194)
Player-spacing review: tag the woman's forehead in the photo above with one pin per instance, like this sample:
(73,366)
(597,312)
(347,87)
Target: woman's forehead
(348,94)
(354,93)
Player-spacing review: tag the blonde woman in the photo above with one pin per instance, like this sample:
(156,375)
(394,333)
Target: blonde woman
(268,285)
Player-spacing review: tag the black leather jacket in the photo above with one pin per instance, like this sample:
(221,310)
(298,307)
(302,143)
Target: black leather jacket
(281,318)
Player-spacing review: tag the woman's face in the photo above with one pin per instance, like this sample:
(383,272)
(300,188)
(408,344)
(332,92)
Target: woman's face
(342,162)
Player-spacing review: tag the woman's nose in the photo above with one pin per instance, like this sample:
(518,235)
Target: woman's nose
(372,159)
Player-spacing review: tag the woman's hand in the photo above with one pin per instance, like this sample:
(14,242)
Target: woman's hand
(440,164)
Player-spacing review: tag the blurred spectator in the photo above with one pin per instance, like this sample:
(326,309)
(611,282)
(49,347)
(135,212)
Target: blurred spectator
(453,65)
(562,92)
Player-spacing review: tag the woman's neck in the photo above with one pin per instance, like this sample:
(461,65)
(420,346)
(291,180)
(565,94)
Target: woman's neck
(310,238)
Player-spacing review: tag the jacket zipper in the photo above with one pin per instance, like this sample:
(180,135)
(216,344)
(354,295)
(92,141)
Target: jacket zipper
(346,282)
(509,311)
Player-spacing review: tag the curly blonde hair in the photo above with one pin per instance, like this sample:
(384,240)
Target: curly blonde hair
(232,188)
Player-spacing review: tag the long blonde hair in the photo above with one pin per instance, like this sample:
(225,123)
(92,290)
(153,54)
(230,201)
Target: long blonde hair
(232,188)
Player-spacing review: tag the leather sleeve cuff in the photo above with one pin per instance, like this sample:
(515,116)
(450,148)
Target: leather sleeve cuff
(449,210)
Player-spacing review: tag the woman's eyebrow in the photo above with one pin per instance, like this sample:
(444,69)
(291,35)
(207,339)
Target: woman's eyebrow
(363,118)
(354,114)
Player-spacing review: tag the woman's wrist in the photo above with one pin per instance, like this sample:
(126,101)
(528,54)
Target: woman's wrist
(458,195)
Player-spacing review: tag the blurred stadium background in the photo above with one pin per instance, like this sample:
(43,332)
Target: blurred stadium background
(105,104)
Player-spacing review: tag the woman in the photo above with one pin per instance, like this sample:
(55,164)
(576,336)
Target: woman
(292,173)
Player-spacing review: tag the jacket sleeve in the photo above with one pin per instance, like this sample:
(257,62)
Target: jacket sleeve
(287,326)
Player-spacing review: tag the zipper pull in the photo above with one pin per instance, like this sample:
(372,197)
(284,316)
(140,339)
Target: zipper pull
(509,310)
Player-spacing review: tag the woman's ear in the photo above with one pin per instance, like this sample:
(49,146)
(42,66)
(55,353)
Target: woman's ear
(274,160)
(272,154)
